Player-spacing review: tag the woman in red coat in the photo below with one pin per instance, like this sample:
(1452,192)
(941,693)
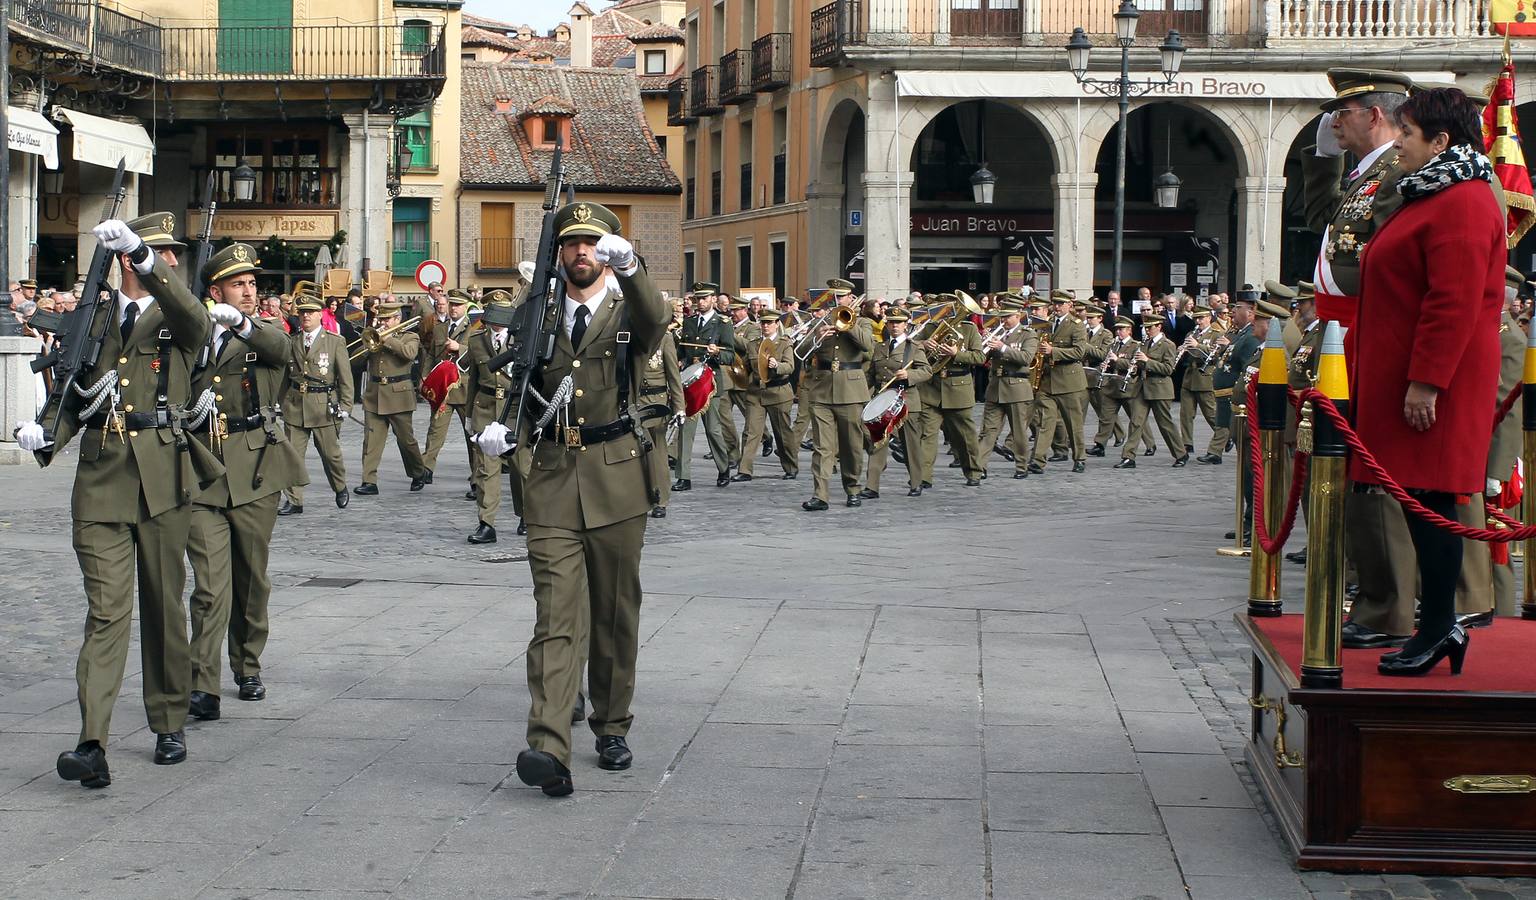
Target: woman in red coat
(1427,336)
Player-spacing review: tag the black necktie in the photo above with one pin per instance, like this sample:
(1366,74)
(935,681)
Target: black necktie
(580,328)
(223,343)
(128,320)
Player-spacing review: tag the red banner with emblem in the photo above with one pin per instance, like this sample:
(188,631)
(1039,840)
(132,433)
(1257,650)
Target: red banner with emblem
(1501,141)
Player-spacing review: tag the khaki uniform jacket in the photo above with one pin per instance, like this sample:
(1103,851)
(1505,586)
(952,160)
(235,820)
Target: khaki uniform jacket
(887,361)
(662,374)
(316,378)
(743,335)
(591,486)
(1348,217)
(1507,436)
(486,389)
(1301,369)
(953,387)
(248,381)
(1093,354)
(1156,379)
(142,474)
(694,331)
(1198,377)
(843,356)
(1114,385)
(460,331)
(389,389)
(780,387)
(1064,365)
(1009,382)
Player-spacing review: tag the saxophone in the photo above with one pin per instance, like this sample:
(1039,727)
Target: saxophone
(1037,365)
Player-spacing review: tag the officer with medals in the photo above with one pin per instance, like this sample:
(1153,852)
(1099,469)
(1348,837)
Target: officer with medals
(134,484)
(902,364)
(705,338)
(586,497)
(1009,393)
(243,376)
(389,399)
(319,397)
(486,391)
(837,398)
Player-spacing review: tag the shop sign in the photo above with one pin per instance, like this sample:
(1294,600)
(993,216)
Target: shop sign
(973,223)
(258,226)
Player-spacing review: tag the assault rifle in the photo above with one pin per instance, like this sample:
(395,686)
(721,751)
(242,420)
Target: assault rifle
(204,241)
(78,347)
(537,321)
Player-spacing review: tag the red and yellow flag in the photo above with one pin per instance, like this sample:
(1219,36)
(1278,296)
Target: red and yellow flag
(1501,141)
(1513,17)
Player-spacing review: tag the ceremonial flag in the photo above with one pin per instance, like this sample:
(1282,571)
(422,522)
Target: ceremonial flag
(1513,17)
(1501,141)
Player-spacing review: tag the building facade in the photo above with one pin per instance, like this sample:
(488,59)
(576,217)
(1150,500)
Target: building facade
(840,139)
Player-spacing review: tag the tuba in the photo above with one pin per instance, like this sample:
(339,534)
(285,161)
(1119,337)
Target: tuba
(947,328)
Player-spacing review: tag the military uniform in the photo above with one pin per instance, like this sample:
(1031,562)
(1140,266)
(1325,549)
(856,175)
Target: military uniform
(1505,449)
(244,372)
(702,331)
(1198,389)
(1063,388)
(1009,393)
(1151,393)
(738,393)
(1095,350)
(887,360)
(1118,384)
(486,391)
(435,350)
(319,397)
(389,399)
(131,507)
(586,497)
(661,382)
(837,399)
(947,401)
(769,403)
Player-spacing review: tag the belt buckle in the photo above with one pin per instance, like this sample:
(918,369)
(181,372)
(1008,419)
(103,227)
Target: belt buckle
(501,393)
(572,436)
(836,365)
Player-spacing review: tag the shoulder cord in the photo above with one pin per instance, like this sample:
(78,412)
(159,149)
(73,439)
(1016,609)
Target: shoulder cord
(99,393)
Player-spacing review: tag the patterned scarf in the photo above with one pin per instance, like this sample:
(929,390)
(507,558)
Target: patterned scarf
(1453,166)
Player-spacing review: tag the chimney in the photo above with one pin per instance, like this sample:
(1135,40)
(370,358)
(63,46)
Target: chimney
(581,34)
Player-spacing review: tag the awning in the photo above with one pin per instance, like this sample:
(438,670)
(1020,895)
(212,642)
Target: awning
(103,142)
(28,132)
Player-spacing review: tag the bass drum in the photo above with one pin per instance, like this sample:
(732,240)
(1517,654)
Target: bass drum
(884,413)
(698,387)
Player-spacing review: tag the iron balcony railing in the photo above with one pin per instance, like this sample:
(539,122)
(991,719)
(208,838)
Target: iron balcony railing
(129,43)
(704,91)
(306,53)
(735,78)
(65,24)
(831,29)
(678,111)
(276,187)
(770,62)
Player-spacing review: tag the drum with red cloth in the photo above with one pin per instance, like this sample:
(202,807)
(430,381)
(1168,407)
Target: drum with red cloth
(698,387)
(884,413)
(437,384)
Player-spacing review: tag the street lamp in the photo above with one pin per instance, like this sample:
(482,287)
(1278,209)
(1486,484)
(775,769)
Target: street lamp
(244,182)
(1123,89)
(983,182)
(1166,186)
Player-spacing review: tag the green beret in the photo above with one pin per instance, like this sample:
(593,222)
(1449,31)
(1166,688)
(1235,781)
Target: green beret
(585,219)
(236,259)
(158,231)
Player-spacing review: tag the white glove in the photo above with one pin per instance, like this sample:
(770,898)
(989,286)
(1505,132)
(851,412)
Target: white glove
(116,236)
(1327,142)
(227,315)
(678,418)
(1491,488)
(30,436)
(494,440)
(616,252)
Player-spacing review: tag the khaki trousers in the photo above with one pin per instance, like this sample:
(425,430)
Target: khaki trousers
(1161,412)
(1105,410)
(662,473)
(586,590)
(1378,543)
(377,428)
(328,447)
(230,587)
(110,553)
(722,403)
(784,445)
(437,435)
(1205,401)
(838,432)
(959,431)
(1016,417)
(911,435)
(487,480)
(1057,410)
(713,433)
(802,413)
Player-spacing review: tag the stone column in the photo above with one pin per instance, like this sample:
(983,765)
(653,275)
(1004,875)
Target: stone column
(18,395)
(887,190)
(364,169)
(1259,229)
(1072,233)
(824,250)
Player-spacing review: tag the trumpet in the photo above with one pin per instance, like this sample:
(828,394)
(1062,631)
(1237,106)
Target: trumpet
(843,318)
(373,338)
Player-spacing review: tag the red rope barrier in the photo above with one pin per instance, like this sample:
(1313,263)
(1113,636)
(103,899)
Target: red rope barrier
(1508,404)
(1261,536)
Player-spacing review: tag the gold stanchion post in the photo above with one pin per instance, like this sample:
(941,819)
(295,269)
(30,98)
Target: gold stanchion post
(1240,441)
(1321,652)
(1264,574)
(1528,498)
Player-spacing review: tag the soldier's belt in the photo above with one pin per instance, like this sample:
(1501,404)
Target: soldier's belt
(1223,393)
(499,393)
(245,423)
(133,421)
(778,382)
(583,435)
(956,371)
(653,391)
(838,366)
(391,379)
(1007,374)
(312,388)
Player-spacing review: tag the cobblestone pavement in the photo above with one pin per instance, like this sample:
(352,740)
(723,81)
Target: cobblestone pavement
(1029,689)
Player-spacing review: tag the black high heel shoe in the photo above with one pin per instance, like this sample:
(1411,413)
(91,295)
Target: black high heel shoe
(1453,645)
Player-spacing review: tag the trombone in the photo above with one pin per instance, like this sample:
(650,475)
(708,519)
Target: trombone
(842,318)
(374,338)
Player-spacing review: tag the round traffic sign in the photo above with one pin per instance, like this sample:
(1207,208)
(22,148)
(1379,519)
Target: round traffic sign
(429,272)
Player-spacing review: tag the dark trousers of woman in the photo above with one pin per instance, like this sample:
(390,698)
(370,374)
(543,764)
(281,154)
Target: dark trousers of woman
(1439,554)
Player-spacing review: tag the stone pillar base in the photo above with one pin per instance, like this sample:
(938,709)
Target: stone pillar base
(18,395)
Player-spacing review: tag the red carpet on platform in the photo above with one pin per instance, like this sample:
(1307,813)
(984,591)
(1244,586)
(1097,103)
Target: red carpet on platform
(1499,660)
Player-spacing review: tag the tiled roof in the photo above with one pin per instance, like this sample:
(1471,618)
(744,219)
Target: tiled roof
(470,19)
(612,149)
(610,42)
(549,105)
(658,32)
(473,36)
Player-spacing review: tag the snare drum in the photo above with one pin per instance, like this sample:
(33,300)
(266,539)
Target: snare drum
(884,414)
(698,387)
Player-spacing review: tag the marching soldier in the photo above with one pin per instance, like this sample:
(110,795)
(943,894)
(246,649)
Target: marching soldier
(1118,386)
(1198,349)
(721,402)
(587,496)
(836,401)
(738,379)
(772,394)
(705,338)
(1095,351)
(134,483)
(1504,450)
(948,398)
(245,374)
(905,368)
(486,391)
(446,342)
(389,399)
(805,378)
(1063,386)
(1009,393)
(661,382)
(1151,391)
(319,397)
